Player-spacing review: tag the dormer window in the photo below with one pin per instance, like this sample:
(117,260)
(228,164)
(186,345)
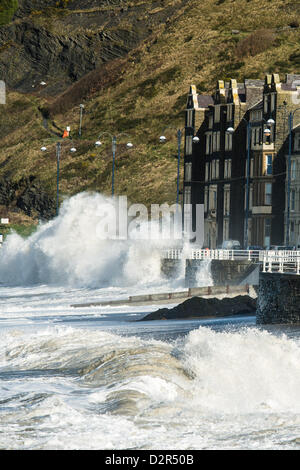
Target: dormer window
(256,115)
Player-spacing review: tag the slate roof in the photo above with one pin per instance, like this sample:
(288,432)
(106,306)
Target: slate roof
(204,101)
(258,106)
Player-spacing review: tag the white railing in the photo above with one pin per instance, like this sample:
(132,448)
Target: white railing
(280,261)
(262,256)
(281,266)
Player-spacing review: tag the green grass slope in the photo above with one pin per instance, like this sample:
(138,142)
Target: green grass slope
(139,95)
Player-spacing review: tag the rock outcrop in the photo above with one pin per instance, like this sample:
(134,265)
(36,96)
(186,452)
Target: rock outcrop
(29,196)
(198,307)
(58,42)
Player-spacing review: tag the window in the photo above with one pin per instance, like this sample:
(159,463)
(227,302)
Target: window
(217,113)
(229,112)
(251,197)
(218,141)
(212,198)
(210,121)
(293,199)
(293,170)
(206,201)
(188,144)
(256,116)
(215,169)
(188,172)
(189,118)
(208,144)
(254,136)
(269,164)
(272,102)
(207,171)
(226,201)
(228,141)
(268,194)
(292,227)
(215,200)
(214,142)
(297,141)
(227,169)
(265,104)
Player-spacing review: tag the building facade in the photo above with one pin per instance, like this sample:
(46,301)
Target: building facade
(238,168)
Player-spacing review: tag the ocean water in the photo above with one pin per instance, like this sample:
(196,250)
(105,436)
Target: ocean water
(96,378)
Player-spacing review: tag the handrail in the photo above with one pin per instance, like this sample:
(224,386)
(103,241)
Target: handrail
(250,255)
(280,261)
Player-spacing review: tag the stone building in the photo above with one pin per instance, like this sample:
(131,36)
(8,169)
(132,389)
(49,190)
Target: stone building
(243,191)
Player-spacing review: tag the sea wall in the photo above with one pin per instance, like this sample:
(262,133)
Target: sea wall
(278,298)
(222,272)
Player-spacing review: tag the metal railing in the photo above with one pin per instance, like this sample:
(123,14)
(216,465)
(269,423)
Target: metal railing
(251,255)
(280,261)
(281,266)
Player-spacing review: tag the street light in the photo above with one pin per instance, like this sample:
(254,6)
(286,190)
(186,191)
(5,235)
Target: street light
(80,118)
(163,139)
(267,133)
(58,153)
(129,145)
(291,120)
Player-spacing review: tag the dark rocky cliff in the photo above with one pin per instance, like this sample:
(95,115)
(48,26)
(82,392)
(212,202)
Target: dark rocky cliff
(59,42)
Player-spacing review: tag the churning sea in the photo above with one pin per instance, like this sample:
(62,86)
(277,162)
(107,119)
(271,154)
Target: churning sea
(96,378)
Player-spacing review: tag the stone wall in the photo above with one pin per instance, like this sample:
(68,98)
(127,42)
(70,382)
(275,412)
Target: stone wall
(223,272)
(227,272)
(278,298)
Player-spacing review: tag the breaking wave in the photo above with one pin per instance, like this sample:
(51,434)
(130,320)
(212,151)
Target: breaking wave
(69,251)
(205,372)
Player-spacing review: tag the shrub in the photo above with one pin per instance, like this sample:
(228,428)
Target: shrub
(7,10)
(256,43)
(295,58)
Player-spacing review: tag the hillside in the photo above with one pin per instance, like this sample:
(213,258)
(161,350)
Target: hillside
(131,64)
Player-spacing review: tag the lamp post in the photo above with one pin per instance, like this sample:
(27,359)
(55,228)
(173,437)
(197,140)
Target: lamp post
(267,132)
(114,147)
(58,154)
(80,118)
(291,120)
(179,136)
